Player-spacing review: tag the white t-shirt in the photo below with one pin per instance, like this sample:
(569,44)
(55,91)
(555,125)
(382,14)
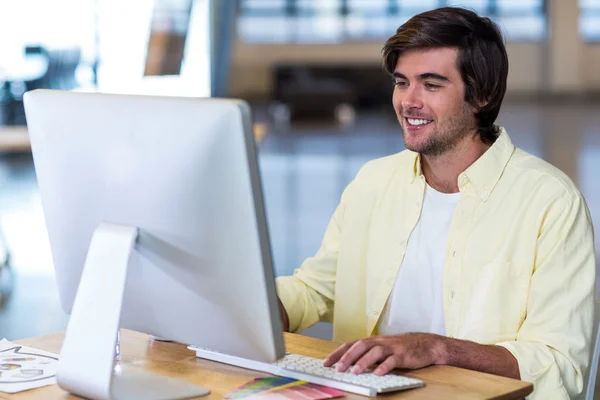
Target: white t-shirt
(416,303)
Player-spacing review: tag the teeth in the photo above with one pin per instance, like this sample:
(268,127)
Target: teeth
(417,121)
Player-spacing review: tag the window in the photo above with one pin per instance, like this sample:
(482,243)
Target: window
(334,21)
(116,36)
(589,20)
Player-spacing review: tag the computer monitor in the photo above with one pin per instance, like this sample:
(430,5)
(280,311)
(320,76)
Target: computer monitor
(160,198)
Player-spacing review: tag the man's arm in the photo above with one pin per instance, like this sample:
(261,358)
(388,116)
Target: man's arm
(491,359)
(554,341)
(284,317)
(307,296)
(418,350)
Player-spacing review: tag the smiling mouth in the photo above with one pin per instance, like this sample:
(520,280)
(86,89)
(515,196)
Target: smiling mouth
(416,122)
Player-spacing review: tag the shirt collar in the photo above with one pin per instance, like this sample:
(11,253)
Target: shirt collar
(484,173)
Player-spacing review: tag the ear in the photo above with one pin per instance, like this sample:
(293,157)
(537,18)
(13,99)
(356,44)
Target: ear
(482,103)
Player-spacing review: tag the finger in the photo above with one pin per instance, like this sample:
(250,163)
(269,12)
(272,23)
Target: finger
(356,351)
(386,366)
(336,354)
(373,356)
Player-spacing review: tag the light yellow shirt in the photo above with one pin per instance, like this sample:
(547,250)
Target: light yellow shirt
(519,269)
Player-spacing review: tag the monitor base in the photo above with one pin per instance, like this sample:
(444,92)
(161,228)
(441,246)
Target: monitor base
(130,384)
(86,365)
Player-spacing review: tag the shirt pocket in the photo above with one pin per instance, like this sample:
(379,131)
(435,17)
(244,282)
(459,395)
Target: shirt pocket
(498,302)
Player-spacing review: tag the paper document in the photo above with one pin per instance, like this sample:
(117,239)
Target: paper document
(24,368)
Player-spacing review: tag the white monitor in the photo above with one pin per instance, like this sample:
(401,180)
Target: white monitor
(160,198)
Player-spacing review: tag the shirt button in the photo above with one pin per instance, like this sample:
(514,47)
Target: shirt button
(452,295)
(485,193)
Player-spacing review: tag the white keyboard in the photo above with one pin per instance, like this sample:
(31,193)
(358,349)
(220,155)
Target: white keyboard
(312,370)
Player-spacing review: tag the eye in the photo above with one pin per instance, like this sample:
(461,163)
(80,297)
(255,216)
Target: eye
(401,83)
(432,86)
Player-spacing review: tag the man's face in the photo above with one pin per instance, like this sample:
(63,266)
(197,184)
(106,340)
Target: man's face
(429,101)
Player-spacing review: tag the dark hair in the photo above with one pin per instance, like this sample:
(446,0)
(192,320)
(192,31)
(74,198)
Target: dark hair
(482,59)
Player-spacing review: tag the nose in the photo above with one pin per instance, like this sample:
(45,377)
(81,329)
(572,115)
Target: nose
(411,98)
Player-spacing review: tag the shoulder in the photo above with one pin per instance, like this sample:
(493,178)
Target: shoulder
(377,176)
(381,170)
(540,176)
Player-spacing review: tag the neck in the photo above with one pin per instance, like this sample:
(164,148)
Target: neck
(442,171)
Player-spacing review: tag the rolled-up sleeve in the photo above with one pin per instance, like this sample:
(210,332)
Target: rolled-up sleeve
(554,343)
(308,295)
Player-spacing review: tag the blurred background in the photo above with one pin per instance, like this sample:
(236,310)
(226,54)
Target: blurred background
(322,105)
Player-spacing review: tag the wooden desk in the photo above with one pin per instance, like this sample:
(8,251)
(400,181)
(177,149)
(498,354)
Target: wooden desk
(14,138)
(176,360)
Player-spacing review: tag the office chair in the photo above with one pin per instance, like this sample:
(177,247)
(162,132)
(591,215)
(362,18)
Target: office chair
(62,64)
(589,383)
(60,74)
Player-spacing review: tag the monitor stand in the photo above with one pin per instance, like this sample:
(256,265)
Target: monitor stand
(86,364)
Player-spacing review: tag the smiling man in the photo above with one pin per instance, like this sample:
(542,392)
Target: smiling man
(462,250)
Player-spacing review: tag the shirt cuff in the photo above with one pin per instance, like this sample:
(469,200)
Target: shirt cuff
(537,365)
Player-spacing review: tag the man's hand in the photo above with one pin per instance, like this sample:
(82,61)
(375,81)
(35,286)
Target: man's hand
(409,350)
(418,350)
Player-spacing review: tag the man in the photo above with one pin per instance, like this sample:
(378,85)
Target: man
(461,250)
